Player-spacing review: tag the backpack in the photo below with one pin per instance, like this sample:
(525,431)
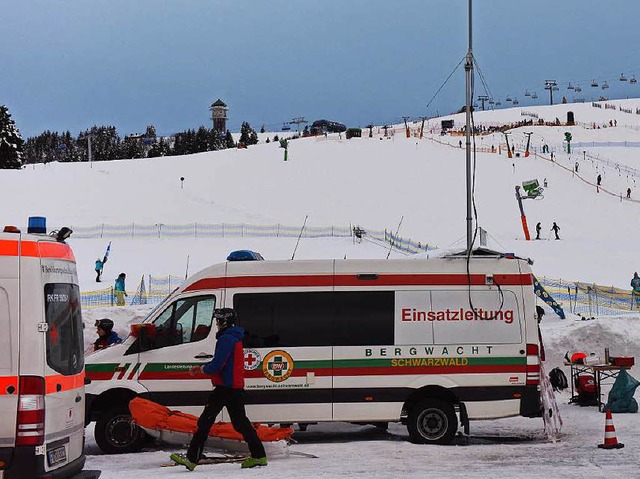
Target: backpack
(558,379)
(587,393)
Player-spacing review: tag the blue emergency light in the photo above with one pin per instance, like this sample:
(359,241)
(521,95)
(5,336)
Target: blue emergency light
(37,224)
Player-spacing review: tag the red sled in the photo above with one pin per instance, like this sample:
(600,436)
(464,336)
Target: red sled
(175,427)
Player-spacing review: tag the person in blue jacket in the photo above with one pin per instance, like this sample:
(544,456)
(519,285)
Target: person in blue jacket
(226,371)
(119,289)
(106,335)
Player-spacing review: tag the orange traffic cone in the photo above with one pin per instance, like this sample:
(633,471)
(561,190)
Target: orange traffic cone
(610,439)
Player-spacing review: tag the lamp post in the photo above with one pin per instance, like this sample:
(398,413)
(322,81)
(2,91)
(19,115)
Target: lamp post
(468,69)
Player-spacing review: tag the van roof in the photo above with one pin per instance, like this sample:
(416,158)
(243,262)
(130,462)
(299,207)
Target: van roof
(221,275)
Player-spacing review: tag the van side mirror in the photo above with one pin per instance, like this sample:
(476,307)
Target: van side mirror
(144,329)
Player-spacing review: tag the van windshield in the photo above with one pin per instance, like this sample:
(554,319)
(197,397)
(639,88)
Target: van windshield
(65,348)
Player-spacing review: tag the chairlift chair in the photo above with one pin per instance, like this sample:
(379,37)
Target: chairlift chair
(508,98)
(605,85)
(498,103)
(515,101)
(570,86)
(285,127)
(526,93)
(578,89)
(594,84)
(622,77)
(534,95)
(633,80)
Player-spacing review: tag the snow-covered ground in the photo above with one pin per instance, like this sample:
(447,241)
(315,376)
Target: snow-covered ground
(374,182)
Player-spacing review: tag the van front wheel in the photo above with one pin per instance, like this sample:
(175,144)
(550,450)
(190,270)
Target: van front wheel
(432,421)
(116,433)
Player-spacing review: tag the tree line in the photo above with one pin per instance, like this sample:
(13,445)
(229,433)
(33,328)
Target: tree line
(107,145)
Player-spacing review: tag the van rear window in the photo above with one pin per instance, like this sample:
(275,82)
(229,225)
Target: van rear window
(65,352)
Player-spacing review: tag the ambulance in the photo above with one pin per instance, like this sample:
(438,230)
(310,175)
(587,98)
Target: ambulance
(41,356)
(431,343)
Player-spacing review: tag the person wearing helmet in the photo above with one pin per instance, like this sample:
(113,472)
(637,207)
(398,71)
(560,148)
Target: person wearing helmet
(106,335)
(226,371)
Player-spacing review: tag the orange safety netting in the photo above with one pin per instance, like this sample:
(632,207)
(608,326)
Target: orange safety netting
(148,414)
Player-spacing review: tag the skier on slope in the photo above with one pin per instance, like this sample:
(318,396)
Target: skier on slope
(538,229)
(555,228)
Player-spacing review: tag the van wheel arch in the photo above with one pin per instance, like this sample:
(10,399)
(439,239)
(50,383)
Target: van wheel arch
(108,400)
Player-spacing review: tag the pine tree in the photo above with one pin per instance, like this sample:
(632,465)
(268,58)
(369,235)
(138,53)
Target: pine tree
(248,135)
(228,140)
(11,143)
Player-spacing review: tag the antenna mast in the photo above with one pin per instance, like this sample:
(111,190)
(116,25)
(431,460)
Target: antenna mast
(468,68)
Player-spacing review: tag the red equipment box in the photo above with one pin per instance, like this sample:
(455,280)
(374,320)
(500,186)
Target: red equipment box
(626,361)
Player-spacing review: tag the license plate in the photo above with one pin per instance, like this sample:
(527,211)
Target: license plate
(56,456)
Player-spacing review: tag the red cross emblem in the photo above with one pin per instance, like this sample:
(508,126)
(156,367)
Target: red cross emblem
(251,359)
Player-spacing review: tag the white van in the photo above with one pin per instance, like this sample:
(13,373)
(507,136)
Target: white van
(425,342)
(41,358)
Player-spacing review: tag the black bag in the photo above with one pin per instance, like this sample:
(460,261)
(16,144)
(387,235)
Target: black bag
(558,380)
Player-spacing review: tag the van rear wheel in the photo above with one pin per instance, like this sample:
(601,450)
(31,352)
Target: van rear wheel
(432,421)
(116,433)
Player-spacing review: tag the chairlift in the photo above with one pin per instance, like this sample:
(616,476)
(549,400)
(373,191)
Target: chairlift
(555,88)
(285,127)
(633,80)
(594,84)
(498,103)
(578,89)
(526,93)
(605,85)
(622,77)
(491,101)
(570,86)
(515,101)
(508,98)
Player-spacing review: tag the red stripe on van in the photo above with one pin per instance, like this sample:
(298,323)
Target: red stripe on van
(6,382)
(36,249)
(353,280)
(65,383)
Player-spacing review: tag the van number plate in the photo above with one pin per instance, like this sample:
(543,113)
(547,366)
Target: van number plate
(56,456)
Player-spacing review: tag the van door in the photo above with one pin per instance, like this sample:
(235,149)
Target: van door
(64,375)
(180,336)
(288,354)
(8,371)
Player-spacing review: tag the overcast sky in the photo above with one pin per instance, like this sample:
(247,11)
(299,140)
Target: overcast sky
(70,64)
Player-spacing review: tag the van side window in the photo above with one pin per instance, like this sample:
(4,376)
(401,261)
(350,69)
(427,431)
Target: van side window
(364,318)
(65,348)
(275,320)
(184,321)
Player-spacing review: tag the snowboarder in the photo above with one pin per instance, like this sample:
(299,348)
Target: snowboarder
(555,228)
(119,289)
(227,375)
(99,267)
(598,182)
(538,229)
(106,335)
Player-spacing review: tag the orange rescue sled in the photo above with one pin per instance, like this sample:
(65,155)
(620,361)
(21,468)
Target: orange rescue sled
(176,427)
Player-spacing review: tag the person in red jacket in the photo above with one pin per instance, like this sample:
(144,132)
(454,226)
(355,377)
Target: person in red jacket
(227,376)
